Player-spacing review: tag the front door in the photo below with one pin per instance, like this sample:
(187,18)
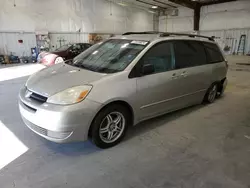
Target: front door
(156,92)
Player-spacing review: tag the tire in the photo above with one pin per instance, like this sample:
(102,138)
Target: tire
(104,126)
(58,60)
(221,88)
(211,93)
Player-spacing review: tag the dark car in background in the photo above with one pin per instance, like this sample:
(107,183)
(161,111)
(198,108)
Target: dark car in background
(61,54)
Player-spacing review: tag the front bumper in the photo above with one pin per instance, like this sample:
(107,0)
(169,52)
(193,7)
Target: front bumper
(58,123)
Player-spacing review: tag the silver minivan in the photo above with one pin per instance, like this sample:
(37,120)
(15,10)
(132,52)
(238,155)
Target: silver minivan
(121,82)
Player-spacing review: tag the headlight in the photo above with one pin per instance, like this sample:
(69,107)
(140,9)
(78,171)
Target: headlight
(71,95)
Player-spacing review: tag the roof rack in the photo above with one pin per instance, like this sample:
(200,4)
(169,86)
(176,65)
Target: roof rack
(142,33)
(166,34)
(185,34)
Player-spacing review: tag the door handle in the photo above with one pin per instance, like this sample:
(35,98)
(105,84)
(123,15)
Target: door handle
(184,73)
(174,75)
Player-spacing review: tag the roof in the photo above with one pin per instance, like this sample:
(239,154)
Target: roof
(144,37)
(150,36)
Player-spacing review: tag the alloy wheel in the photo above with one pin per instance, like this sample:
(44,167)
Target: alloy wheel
(212,93)
(112,127)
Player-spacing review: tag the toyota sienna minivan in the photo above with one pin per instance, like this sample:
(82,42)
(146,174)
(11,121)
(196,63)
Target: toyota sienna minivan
(121,82)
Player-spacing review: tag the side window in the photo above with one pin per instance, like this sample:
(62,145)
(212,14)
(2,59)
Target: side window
(87,45)
(76,47)
(160,56)
(83,47)
(213,53)
(189,54)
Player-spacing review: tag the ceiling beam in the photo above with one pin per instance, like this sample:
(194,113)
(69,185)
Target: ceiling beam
(150,4)
(216,2)
(164,3)
(184,3)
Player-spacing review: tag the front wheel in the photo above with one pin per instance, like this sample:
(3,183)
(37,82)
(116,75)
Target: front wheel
(109,126)
(211,93)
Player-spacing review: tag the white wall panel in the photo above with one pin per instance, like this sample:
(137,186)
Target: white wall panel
(181,23)
(63,19)
(9,43)
(228,21)
(230,38)
(58,39)
(163,23)
(223,16)
(72,15)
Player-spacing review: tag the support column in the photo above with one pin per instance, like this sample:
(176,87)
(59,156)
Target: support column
(156,21)
(197,12)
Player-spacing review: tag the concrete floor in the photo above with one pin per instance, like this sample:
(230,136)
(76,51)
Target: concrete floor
(202,146)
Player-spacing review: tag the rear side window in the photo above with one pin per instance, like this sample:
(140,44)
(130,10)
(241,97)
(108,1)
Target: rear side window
(213,53)
(189,54)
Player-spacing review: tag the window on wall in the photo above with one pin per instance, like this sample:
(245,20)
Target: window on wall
(213,53)
(161,57)
(189,54)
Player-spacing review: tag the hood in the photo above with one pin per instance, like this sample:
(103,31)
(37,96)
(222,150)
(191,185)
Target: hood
(52,80)
(60,53)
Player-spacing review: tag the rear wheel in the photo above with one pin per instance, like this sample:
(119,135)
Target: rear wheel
(222,87)
(109,126)
(211,93)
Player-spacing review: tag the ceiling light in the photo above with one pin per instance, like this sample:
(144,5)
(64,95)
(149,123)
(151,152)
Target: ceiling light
(151,12)
(122,4)
(154,7)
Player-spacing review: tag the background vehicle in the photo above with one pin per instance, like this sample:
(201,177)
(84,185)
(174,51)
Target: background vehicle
(121,82)
(65,52)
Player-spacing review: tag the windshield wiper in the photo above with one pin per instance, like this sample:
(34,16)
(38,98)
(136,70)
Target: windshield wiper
(69,61)
(84,66)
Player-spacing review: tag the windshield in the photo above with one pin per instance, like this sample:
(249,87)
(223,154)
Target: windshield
(111,56)
(63,48)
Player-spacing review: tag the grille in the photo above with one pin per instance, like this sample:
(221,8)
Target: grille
(45,132)
(32,109)
(38,129)
(38,97)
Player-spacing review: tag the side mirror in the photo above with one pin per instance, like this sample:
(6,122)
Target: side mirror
(148,69)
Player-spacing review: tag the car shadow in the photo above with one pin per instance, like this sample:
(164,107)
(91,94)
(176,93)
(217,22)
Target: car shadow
(162,120)
(87,147)
(72,149)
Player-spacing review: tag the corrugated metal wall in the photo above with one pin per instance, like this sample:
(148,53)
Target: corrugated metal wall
(9,43)
(230,38)
(59,39)
(63,19)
